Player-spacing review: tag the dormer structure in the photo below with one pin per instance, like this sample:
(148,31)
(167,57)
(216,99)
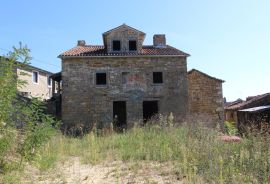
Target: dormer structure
(123,39)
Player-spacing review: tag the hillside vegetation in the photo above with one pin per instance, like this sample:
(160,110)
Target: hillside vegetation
(195,154)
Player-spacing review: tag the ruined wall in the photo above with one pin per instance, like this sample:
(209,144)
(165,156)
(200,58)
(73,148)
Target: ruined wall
(205,97)
(84,102)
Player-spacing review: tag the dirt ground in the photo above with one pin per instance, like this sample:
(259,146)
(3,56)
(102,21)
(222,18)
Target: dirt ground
(72,171)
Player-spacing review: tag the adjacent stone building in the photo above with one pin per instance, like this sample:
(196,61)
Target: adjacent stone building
(123,80)
(205,97)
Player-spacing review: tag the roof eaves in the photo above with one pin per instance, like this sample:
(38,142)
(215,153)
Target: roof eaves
(95,56)
(27,66)
(186,54)
(195,70)
(256,109)
(246,103)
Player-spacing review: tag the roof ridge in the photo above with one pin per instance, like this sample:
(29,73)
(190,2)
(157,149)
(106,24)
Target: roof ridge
(120,27)
(242,104)
(193,69)
(92,46)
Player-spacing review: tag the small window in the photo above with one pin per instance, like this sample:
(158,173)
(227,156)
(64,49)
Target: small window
(116,45)
(132,45)
(35,77)
(49,81)
(157,77)
(101,79)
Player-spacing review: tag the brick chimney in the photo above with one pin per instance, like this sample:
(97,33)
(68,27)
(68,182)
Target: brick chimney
(81,43)
(159,40)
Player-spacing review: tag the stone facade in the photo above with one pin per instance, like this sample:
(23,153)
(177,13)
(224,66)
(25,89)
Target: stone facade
(205,96)
(84,102)
(138,83)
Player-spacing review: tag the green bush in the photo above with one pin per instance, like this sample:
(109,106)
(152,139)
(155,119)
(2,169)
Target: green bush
(24,126)
(230,128)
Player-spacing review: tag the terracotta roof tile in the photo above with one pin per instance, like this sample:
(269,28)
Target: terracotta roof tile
(228,104)
(259,100)
(98,50)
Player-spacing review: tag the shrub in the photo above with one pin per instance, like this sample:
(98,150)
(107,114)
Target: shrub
(230,128)
(26,127)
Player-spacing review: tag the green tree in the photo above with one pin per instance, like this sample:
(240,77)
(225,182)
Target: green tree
(35,125)
(9,82)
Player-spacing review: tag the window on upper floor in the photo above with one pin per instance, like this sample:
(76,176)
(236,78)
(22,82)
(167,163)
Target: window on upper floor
(132,45)
(157,78)
(116,45)
(101,79)
(49,81)
(35,77)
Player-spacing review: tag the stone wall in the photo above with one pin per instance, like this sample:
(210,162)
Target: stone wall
(205,97)
(84,102)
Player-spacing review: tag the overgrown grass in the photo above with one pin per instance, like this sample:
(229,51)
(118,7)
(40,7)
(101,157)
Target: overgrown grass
(194,151)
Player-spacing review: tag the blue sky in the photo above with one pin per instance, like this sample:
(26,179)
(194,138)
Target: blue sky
(229,39)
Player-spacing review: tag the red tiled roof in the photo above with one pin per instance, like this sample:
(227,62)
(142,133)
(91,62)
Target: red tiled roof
(228,104)
(98,50)
(259,100)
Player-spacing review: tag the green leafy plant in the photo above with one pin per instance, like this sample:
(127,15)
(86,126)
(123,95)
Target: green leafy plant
(230,128)
(24,125)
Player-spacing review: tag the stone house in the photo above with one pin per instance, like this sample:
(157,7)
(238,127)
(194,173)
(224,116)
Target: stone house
(205,97)
(123,80)
(38,82)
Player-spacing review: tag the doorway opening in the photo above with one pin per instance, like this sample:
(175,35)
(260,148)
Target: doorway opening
(150,108)
(119,115)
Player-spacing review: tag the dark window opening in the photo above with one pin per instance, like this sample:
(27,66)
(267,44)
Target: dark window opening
(119,115)
(35,77)
(116,45)
(157,77)
(49,81)
(101,79)
(150,108)
(132,45)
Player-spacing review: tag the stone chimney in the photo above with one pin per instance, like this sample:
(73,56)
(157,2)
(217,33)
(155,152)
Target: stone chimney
(81,43)
(159,40)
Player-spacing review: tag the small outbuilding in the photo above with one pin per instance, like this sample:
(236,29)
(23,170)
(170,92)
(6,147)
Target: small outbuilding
(252,112)
(205,97)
